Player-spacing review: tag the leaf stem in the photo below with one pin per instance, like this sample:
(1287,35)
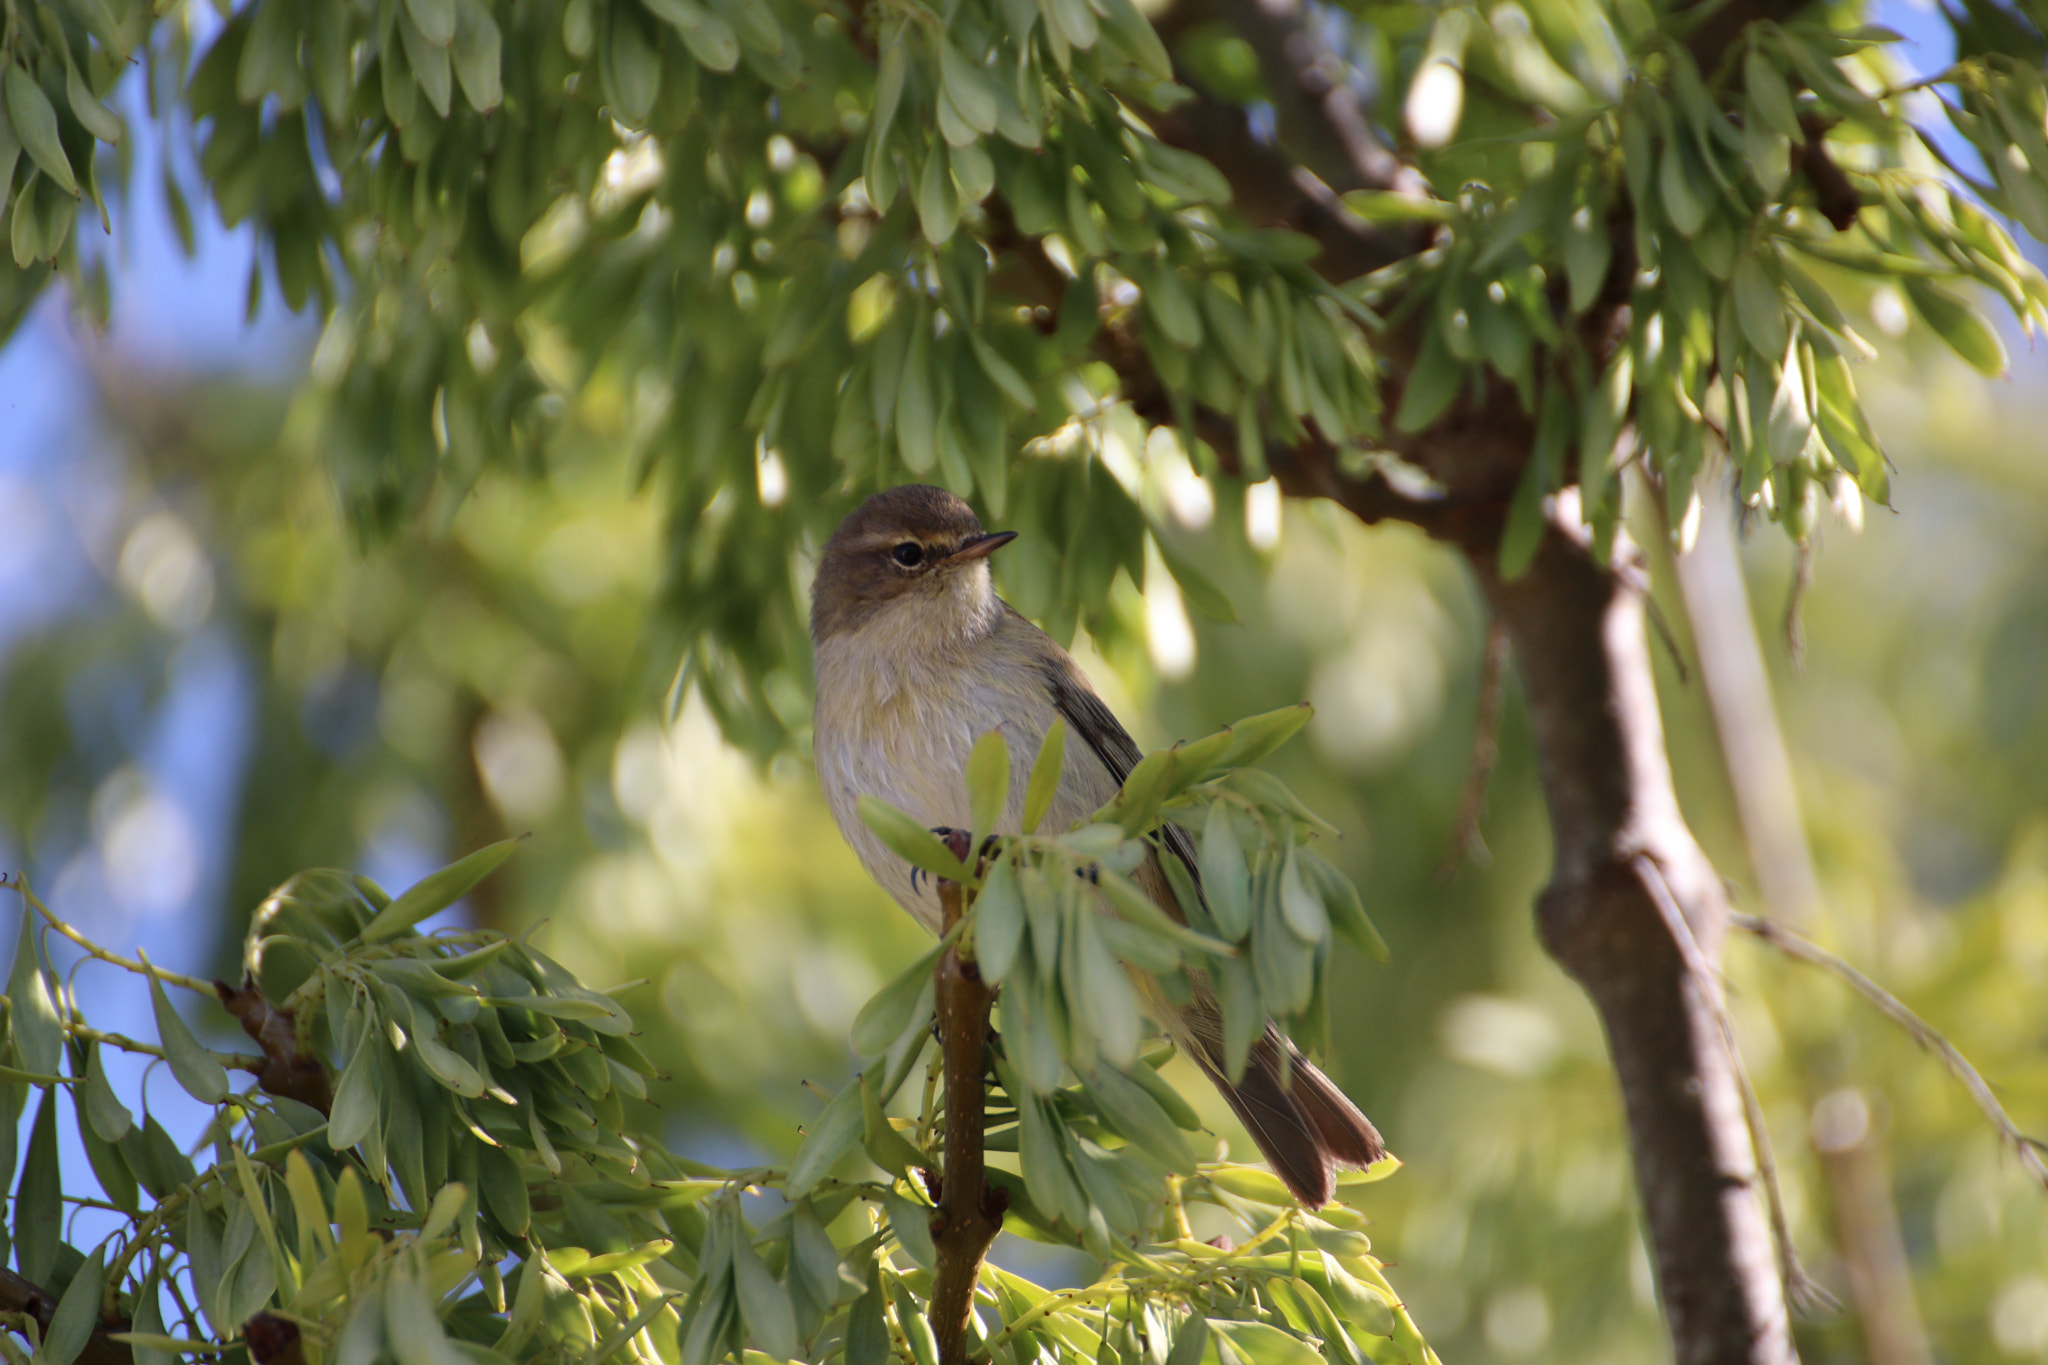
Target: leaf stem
(169,978)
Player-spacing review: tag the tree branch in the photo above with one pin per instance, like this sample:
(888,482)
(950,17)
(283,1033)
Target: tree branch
(2029,1150)
(18,1294)
(1321,121)
(1579,639)
(969,1213)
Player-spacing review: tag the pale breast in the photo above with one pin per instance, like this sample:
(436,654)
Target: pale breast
(902,732)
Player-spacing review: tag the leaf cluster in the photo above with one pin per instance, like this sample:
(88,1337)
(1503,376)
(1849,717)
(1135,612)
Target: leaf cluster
(481,1189)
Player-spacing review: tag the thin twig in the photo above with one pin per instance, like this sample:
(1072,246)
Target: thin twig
(969,1213)
(1801,1289)
(1467,843)
(2029,1150)
(1795,601)
(169,978)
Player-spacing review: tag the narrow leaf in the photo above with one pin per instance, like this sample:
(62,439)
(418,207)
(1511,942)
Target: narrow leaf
(894,1008)
(35,123)
(764,1303)
(437,891)
(38,1034)
(909,840)
(77,1313)
(1045,776)
(988,783)
(832,1135)
(196,1069)
(998,922)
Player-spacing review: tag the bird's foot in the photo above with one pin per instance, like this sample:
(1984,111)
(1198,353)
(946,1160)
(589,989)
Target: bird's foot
(957,842)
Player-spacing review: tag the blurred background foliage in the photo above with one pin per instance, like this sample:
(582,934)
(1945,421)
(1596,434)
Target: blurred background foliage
(502,669)
(209,679)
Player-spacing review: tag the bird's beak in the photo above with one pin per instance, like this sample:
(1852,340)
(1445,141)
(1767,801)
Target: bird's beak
(980,547)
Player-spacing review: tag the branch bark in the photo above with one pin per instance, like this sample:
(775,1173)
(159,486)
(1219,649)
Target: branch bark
(18,1294)
(1634,911)
(1579,640)
(969,1213)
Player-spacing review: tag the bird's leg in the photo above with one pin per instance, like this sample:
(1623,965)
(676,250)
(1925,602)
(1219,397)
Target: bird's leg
(957,842)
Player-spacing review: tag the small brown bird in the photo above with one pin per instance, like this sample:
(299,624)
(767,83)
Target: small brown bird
(917,658)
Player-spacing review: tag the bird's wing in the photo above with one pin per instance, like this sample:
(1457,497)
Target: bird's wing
(1084,711)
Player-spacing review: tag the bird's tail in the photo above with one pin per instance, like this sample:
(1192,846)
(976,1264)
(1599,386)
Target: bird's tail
(1300,1119)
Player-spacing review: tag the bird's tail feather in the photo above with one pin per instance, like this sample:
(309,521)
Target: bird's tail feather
(1299,1118)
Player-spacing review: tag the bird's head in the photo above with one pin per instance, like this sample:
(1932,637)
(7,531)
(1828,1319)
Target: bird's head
(914,548)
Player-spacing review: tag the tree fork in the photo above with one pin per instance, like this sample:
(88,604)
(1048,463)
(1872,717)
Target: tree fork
(969,1213)
(1623,855)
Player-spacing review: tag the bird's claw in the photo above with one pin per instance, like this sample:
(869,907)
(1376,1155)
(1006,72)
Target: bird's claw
(958,842)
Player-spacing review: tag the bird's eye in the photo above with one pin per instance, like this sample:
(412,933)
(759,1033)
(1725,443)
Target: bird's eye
(909,554)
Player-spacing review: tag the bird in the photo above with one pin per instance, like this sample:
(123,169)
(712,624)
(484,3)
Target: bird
(917,658)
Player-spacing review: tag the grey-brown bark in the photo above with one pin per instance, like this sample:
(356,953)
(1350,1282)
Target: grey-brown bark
(1634,912)
(1624,861)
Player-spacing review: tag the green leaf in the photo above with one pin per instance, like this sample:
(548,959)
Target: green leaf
(967,87)
(1432,384)
(912,1224)
(909,840)
(478,47)
(938,207)
(444,1064)
(1112,1000)
(429,62)
(1003,373)
(1301,907)
(887,1147)
(96,117)
(109,1166)
(1226,882)
(998,922)
(1254,737)
(631,66)
(1170,1101)
(35,123)
(832,1135)
(894,1008)
(1958,324)
(436,19)
(1046,1174)
(1260,1343)
(1523,534)
(1196,588)
(355,1110)
(917,402)
(710,39)
(38,1212)
(78,1312)
(1759,307)
(1045,776)
(103,1109)
(1770,96)
(1347,911)
(1678,181)
(437,891)
(1601,428)
(1167,299)
(764,1303)
(1130,1107)
(503,1188)
(38,1033)
(1190,1342)
(1134,32)
(988,783)
(867,1330)
(196,1069)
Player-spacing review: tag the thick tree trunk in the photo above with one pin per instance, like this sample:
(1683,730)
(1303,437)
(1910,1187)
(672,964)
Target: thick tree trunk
(1632,911)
